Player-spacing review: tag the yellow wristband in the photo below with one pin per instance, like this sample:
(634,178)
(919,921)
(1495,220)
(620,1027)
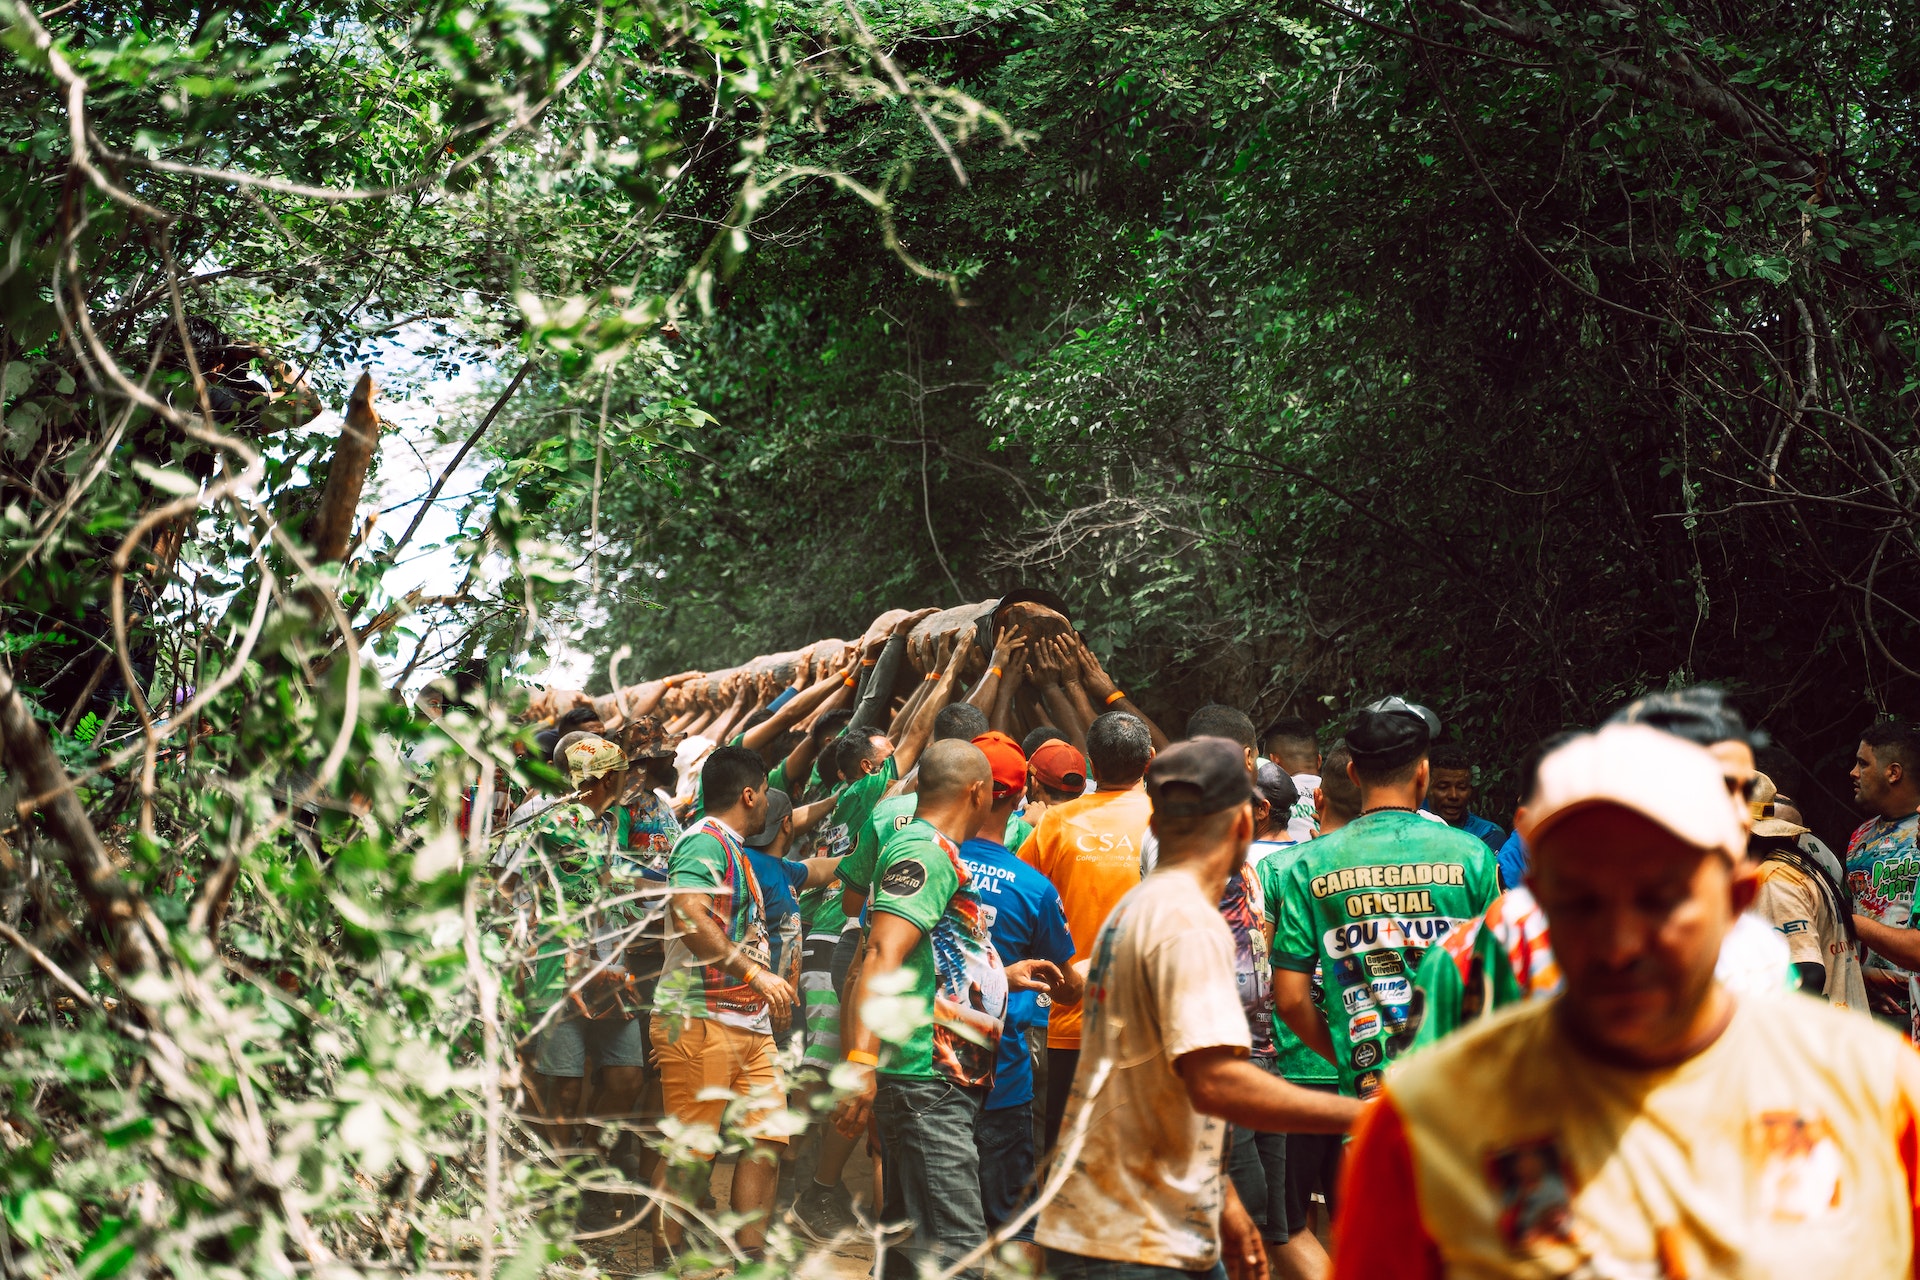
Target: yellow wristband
(1114,697)
(864,1058)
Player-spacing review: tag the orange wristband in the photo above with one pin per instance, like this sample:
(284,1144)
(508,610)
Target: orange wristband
(1114,697)
(864,1058)
(850,682)
(751,975)
(933,675)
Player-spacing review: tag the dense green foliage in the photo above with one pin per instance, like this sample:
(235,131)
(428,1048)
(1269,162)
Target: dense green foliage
(257,1014)
(1519,358)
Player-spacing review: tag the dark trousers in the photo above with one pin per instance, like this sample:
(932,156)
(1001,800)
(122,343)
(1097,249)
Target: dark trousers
(1062,1064)
(1074,1266)
(1005,1141)
(932,1169)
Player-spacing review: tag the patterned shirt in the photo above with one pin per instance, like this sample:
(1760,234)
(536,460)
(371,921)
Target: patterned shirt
(709,859)
(955,968)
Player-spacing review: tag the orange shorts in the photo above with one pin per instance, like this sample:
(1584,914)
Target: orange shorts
(710,1055)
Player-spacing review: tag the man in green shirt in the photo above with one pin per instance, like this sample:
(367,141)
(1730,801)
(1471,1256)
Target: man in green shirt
(1365,904)
(925,1085)
(578,852)
(712,1029)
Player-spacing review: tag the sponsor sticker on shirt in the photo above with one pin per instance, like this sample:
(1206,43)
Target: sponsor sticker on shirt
(1384,964)
(1364,1025)
(904,879)
(1367,1084)
(1355,998)
(1393,991)
(1379,935)
(1366,1054)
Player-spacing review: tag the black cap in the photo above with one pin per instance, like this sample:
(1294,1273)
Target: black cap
(1201,775)
(1276,787)
(778,807)
(1387,739)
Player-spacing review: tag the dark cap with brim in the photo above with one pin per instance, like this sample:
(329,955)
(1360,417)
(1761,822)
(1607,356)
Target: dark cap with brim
(1387,739)
(1199,776)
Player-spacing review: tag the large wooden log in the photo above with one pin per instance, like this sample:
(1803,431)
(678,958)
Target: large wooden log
(930,637)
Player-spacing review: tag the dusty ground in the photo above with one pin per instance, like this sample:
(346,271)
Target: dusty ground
(633,1253)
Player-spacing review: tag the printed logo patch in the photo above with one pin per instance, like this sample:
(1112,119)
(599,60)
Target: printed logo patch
(1346,971)
(1800,1166)
(1362,936)
(1366,1054)
(1355,997)
(1535,1193)
(1367,1084)
(1384,964)
(904,879)
(1392,990)
(1364,1025)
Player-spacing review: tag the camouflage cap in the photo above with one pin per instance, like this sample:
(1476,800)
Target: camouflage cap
(646,738)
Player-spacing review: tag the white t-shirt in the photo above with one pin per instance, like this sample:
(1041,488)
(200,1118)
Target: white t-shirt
(1301,822)
(1753,959)
(1147,1185)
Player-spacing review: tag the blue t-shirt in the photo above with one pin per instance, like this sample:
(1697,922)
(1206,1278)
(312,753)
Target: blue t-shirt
(1513,862)
(1492,834)
(1024,915)
(778,878)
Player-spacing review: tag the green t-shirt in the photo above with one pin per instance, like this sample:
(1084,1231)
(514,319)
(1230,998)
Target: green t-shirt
(570,861)
(710,858)
(1364,904)
(777,778)
(1292,1059)
(955,968)
(889,816)
(1018,829)
(851,810)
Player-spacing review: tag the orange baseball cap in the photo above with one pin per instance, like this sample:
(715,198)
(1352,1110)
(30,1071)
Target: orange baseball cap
(1008,763)
(1059,765)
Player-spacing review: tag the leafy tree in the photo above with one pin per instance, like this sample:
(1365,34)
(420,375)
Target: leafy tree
(258,1011)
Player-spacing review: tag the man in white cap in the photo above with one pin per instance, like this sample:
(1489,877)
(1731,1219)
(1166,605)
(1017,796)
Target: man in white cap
(1646,1122)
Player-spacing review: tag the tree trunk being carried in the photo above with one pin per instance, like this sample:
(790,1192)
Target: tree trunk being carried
(714,691)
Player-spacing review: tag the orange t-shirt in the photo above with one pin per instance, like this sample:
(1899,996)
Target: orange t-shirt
(1786,1149)
(1090,849)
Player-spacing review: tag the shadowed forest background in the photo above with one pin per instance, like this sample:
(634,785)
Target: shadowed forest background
(1516,357)
(1510,357)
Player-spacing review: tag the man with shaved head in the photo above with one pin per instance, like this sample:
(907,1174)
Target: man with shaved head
(926,1089)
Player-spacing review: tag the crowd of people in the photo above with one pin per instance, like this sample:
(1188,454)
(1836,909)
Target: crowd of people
(1261,1001)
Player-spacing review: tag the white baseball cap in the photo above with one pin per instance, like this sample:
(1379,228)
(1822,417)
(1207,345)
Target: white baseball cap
(1664,779)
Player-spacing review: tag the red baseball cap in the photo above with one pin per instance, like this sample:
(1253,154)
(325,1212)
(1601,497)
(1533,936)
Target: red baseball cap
(1059,766)
(1008,764)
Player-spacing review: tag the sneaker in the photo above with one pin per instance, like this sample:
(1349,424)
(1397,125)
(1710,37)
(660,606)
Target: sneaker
(821,1213)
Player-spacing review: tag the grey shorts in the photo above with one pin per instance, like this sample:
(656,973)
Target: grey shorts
(570,1041)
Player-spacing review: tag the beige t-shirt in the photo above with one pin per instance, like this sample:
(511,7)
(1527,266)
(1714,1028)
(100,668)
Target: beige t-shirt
(1783,1151)
(1146,1187)
(1795,906)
